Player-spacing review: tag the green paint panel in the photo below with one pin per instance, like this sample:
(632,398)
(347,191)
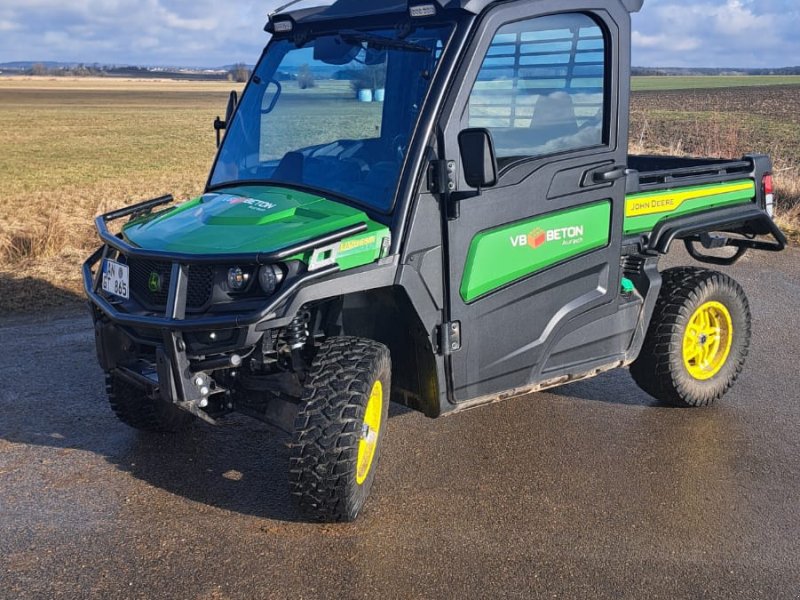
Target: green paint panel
(257,219)
(687,200)
(504,255)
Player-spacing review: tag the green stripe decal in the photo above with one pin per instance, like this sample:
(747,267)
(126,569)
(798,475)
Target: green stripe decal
(509,253)
(644,211)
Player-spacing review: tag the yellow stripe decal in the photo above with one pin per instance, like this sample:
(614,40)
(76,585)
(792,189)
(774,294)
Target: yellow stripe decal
(672,200)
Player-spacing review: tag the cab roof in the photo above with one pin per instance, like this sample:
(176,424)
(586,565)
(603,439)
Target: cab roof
(351,9)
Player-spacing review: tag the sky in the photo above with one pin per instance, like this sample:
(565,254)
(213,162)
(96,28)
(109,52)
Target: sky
(209,33)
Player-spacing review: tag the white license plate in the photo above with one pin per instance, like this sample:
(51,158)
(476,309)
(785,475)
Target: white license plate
(116,279)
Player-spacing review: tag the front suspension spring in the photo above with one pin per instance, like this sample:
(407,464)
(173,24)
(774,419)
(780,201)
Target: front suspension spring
(297,331)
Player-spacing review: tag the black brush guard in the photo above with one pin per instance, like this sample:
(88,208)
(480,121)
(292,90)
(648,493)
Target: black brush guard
(175,314)
(176,375)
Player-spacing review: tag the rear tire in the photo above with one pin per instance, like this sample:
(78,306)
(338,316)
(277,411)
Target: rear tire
(340,428)
(136,410)
(698,339)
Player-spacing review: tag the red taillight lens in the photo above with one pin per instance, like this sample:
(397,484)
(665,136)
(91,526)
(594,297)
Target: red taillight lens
(769,195)
(769,185)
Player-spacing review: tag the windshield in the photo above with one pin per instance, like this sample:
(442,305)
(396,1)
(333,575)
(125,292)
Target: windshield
(334,115)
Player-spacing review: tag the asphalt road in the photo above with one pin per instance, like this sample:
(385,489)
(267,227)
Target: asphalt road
(590,491)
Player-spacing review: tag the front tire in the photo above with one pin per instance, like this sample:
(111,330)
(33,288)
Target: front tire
(340,429)
(136,410)
(698,339)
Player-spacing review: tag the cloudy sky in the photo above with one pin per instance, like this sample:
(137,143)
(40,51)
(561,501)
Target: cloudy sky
(713,33)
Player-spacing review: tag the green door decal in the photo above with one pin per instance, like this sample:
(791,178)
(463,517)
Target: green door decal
(509,253)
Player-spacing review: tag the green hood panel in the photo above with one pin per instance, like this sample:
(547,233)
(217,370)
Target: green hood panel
(257,219)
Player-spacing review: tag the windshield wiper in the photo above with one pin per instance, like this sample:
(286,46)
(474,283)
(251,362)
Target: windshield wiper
(378,41)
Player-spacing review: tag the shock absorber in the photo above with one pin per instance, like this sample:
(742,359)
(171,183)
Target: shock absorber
(297,337)
(297,331)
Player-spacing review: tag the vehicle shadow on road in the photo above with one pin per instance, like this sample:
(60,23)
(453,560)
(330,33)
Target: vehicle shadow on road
(240,466)
(23,295)
(614,387)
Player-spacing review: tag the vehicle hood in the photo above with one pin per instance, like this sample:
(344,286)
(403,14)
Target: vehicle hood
(246,219)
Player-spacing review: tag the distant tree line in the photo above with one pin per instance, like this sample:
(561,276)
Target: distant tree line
(683,72)
(81,70)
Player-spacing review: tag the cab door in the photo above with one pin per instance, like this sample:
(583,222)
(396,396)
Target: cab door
(534,261)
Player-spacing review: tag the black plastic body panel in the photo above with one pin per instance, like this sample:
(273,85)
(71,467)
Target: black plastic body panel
(521,334)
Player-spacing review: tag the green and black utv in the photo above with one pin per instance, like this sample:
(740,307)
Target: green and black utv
(428,202)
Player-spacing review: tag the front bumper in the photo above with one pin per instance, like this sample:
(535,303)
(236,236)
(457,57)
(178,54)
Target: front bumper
(158,351)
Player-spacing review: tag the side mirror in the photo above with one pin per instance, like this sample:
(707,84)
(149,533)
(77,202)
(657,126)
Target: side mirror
(478,157)
(219,124)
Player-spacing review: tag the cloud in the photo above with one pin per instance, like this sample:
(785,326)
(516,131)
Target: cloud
(662,40)
(150,32)
(717,33)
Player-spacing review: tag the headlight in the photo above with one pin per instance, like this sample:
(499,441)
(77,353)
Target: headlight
(270,277)
(237,279)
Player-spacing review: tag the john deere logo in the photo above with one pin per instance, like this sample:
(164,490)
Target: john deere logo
(537,238)
(154,283)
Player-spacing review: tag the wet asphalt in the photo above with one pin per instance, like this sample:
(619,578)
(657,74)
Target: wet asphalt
(590,491)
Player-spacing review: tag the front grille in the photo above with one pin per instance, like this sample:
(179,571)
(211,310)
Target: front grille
(150,282)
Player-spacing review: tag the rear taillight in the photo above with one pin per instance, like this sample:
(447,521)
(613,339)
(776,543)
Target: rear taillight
(769,194)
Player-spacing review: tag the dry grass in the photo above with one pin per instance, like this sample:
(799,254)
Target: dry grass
(74,149)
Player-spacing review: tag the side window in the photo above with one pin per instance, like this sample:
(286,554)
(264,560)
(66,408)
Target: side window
(541,88)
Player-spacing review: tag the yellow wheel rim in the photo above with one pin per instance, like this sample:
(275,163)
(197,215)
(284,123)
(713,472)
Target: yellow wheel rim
(370,432)
(708,340)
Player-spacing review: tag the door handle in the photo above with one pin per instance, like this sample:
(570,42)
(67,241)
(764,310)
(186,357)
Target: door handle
(613,174)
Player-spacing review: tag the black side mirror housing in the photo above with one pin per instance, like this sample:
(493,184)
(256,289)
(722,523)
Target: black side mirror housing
(233,102)
(219,124)
(478,158)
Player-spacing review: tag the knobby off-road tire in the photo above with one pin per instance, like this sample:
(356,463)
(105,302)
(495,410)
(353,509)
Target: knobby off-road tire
(340,429)
(698,338)
(136,410)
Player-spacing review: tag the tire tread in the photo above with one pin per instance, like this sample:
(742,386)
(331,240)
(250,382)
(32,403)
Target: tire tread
(654,371)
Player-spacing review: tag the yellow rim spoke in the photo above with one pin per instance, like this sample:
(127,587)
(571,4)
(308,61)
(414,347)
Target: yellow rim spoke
(707,341)
(370,433)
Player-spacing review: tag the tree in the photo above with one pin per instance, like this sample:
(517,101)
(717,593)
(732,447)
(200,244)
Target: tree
(38,69)
(240,73)
(305,78)
(371,77)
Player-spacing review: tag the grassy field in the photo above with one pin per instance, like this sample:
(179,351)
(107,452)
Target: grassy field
(643,84)
(75,148)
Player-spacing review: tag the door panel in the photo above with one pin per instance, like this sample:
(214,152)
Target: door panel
(536,258)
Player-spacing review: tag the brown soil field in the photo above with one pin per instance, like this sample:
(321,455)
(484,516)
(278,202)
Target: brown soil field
(727,123)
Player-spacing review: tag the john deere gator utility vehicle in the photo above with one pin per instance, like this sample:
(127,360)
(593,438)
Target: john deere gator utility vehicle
(427,202)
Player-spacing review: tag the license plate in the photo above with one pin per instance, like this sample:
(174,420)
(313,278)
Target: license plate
(116,279)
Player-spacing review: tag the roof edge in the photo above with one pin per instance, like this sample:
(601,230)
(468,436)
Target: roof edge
(352,8)
(633,5)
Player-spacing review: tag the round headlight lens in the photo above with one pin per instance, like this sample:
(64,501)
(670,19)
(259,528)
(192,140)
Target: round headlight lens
(270,277)
(237,279)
